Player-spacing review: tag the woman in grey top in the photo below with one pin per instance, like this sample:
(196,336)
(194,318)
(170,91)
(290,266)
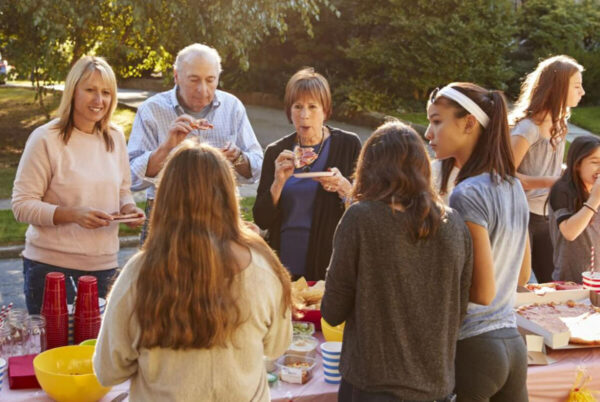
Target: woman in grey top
(400,259)
(538,144)
(468,123)
(573,210)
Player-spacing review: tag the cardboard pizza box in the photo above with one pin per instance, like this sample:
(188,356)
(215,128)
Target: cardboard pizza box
(555,340)
(559,296)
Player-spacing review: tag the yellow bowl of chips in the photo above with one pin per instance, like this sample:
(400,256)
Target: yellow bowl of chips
(331,333)
(67,375)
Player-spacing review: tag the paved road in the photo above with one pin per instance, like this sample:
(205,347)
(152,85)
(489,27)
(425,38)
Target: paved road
(11,278)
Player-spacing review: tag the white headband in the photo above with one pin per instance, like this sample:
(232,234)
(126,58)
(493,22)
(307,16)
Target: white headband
(465,102)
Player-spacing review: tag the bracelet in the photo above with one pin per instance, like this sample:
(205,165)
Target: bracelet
(585,204)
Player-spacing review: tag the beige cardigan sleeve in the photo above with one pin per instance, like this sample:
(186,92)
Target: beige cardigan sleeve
(116,356)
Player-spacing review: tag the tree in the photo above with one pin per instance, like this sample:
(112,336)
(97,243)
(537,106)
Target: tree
(404,48)
(42,38)
(551,27)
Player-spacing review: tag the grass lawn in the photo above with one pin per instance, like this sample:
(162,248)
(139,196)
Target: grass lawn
(587,117)
(417,118)
(20,114)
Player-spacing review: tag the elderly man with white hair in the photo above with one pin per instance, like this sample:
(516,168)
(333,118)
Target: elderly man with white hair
(193,108)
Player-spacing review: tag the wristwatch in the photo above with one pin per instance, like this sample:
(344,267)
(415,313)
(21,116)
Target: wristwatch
(239,160)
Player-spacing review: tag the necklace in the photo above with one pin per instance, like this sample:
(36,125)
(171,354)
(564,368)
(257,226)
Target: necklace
(305,156)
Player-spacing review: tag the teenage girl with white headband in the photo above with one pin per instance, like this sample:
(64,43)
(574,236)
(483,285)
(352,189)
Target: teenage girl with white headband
(469,124)
(538,143)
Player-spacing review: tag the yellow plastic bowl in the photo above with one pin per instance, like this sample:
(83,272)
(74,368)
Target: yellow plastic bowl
(66,374)
(332,334)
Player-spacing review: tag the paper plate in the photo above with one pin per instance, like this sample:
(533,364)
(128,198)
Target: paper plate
(308,175)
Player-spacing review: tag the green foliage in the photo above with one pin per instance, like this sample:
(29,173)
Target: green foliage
(404,48)
(550,27)
(138,36)
(587,117)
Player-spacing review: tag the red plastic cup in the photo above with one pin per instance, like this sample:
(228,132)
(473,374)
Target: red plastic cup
(86,328)
(87,318)
(55,295)
(54,310)
(57,330)
(87,298)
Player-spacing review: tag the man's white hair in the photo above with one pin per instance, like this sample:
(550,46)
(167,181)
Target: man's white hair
(198,49)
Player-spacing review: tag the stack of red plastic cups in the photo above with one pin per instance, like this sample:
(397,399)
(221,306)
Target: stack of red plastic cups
(87,311)
(54,309)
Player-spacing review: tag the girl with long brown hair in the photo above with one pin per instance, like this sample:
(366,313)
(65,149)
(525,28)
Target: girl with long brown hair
(469,124)
(538,143)
(193,313)
(399,255)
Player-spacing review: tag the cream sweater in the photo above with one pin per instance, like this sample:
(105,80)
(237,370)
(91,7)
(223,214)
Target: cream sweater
(81,173)
(233,373)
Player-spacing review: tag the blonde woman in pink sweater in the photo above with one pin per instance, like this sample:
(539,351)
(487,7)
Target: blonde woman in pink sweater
(73,178)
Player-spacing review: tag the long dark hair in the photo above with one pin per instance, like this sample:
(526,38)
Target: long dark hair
(393,167)
(492,153)
(580,148)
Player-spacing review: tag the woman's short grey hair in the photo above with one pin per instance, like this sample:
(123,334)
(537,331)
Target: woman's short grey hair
(201,50)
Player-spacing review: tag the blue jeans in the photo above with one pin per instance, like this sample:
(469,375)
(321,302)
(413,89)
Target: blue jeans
(34,273)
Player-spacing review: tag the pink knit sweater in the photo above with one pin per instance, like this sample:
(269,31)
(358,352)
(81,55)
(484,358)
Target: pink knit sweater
(81,173)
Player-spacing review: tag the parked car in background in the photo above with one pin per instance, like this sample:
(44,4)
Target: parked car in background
(3,70)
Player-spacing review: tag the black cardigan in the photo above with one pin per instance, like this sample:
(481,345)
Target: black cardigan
(343,153)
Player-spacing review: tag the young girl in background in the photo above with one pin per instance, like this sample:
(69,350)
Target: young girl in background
(469,124)
(538,144)
(573,210)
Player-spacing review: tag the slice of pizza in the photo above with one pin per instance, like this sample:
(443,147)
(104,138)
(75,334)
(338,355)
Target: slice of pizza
(303,156)
(581,320)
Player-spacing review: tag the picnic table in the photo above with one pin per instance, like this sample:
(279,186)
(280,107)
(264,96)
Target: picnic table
(544,383)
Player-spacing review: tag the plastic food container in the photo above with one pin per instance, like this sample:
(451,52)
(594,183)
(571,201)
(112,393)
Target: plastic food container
(295,369)
(303,345)
(303,328)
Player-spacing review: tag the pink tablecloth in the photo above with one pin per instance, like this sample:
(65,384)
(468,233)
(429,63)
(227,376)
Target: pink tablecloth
(553,382)
(545,383)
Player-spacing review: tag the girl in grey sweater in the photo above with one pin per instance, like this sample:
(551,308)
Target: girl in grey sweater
(399,276)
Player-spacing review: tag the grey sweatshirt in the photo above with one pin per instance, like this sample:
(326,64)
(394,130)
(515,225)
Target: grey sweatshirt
(403,301)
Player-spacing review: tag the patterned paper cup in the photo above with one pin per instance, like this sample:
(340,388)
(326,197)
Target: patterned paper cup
(591,280)
(3,367)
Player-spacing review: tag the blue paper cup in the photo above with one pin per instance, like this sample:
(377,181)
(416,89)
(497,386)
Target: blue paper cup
(330,361)
(3,367)
(332,379)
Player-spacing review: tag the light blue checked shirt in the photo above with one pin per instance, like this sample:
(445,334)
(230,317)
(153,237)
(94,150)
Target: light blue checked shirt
(151,128)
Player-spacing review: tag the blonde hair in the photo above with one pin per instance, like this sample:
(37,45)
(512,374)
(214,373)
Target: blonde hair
(188,287)
(545,91)
(307,82)
(81,71)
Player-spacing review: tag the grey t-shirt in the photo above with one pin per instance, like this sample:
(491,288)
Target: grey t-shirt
(540,160)
(501,209)
(571,258)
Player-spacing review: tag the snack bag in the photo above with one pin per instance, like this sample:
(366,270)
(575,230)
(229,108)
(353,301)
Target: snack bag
(579,392)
